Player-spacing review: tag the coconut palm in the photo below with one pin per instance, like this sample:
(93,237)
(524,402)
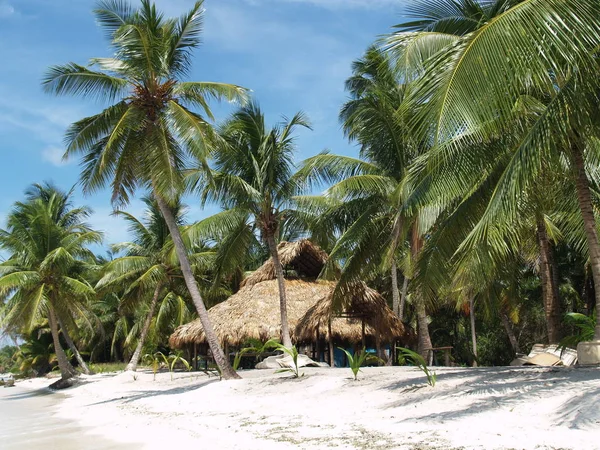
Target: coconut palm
(254,178)
(472,82)
(375,186)
(42,278)
(146,137)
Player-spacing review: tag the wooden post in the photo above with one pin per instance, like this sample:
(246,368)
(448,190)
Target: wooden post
(318,345)
(195,358)
(331,360)
(363,335)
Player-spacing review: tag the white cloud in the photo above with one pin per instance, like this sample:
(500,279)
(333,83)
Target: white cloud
(6,9)
(54,155)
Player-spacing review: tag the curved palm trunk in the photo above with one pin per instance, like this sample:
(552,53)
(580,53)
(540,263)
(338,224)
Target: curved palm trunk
(549,287)
(423,338)
(66,369)
(222,361)
(395,291)
(510,332)
(403,295)
(473,332)
(585,204)
(73,348)
(285,328)
(135,359)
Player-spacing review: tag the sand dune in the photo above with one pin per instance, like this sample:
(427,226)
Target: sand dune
(387,408)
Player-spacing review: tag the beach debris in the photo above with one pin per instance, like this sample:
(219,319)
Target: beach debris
(547,355)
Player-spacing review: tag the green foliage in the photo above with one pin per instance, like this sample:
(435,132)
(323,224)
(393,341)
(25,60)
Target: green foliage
(357,360)
(584,325)
(8,360)
(292,352)
(254,346)
(407,355)
(108,367)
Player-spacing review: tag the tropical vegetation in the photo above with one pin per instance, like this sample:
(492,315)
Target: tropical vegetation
(471,204)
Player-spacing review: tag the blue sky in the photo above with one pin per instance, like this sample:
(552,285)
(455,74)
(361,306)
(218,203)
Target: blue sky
(293,54)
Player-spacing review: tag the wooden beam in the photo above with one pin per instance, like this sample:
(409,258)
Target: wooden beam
(331,360)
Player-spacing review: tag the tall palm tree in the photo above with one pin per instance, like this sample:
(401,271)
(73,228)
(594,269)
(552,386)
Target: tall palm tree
(376,118)
(472,81)
(145,138)
(254,177)
(42,278)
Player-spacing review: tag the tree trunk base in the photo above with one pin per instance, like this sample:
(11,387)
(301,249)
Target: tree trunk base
(588,353)
(63,384)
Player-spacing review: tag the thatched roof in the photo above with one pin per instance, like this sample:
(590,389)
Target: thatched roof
(361,303)
(304,257)
(253,312)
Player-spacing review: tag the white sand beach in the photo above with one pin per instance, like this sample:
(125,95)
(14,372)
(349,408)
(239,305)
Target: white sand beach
(387,408)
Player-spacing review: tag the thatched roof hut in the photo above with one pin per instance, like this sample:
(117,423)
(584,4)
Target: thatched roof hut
(362,304)
(253,312)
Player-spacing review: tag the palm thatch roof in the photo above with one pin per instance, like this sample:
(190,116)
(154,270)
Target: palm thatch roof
(253,312)
(361,303)
(304,257)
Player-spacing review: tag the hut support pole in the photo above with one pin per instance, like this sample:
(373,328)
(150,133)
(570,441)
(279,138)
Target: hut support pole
(318,345)
(195,358)
(331,361)
(363,335)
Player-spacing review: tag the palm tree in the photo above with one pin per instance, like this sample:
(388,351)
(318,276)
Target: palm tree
(473,79)
(374,186)
(42,278)
(149,267)
(145,138)
(254,178)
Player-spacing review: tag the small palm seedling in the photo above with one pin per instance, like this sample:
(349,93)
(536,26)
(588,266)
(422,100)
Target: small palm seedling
(409,356)
(154,360)
(174,358)
(357,360)
(253,345)
(292,352)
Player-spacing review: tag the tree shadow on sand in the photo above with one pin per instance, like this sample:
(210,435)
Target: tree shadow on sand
(495,389)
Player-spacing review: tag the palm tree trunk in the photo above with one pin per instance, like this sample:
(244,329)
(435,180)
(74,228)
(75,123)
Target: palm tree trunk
(473,332)
(66,369)
(395,291)
(285,328)
(135,359)
(589,221)
(510,332)
(423,338)
(227,371)
(73,348)
(549,288)
(403,295)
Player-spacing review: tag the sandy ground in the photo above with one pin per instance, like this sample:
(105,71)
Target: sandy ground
(387,408)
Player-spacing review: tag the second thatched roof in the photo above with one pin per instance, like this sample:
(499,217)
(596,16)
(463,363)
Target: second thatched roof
(304,257)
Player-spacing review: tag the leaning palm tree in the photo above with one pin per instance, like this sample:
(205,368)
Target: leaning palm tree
(146,137)
(254,177)
(149,268)
(471,83)
(42,278)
